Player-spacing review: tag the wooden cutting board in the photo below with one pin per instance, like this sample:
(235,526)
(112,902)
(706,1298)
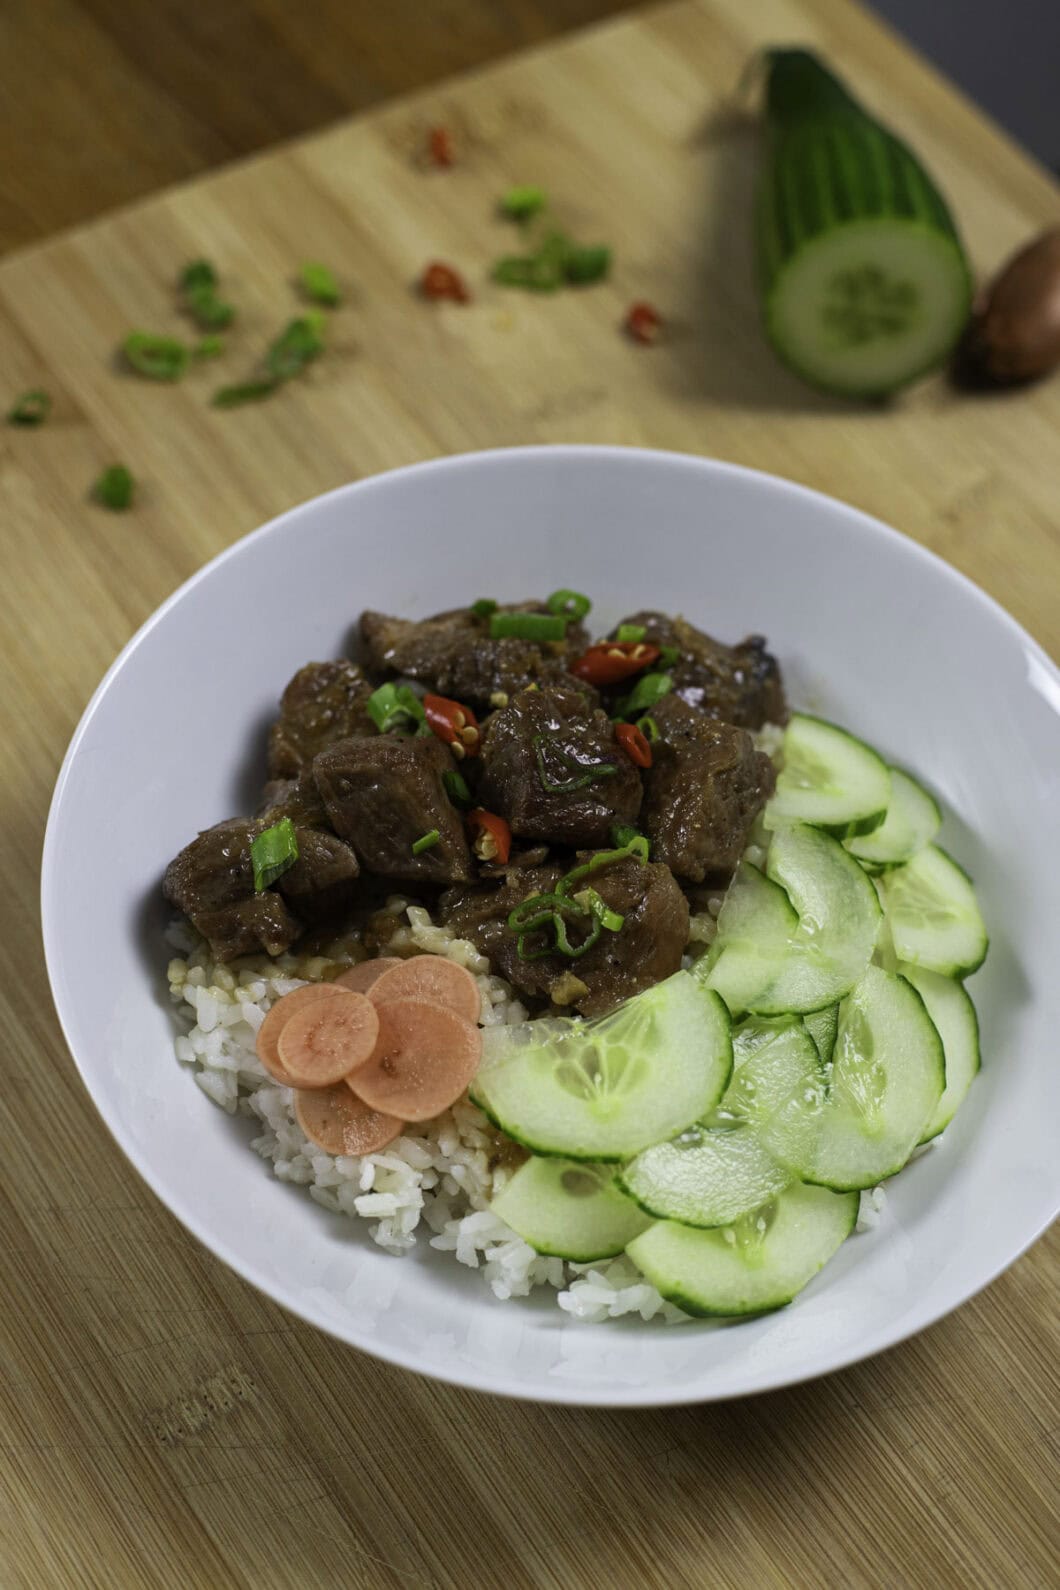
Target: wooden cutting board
(164,1424)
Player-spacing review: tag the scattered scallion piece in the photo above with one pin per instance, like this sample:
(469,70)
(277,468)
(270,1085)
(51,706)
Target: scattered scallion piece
(198,275)
(590,263)
(483,607)
(455,786)
(668,655)
(630,632)
(426,841)
(569,604)
(230,397)
(648,689)
(395,707)
(298,344)
(623,835)
(585,774)
(30,408)
(611,920)
(272,852)
(198,286)
(648,727)
(208,348)
(523,201)
(320,285)
(114,488)
(528,626)
(157,358)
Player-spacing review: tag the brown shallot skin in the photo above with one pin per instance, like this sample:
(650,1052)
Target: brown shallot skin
(1014,333)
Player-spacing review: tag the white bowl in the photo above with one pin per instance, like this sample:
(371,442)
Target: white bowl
(871,630)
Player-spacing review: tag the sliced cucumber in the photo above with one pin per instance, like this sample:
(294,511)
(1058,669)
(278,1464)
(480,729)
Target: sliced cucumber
(864,281)
(933,915)
(912,821)
(760,1263)
(605,1089)
(757,916)
(838,920)
(570,1209)
(885,1083)
(951,1009)
(829,779)
(822,1026)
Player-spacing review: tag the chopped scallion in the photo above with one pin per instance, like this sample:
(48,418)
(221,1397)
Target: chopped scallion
(648,727)
(668,655)
(426,841)
(623,834)
(612,920)
(455,785)
(197,276)
(586,774)
(523,201)
(30,408)
(528,626)
(320,285)
(208,348)
(114,488)
(272,852)
(231,397)
(648,689)
(630,633)
(198,284)
(298,344)
(583,265)
(483,607)
(395,707)
(569,604)
(157,358)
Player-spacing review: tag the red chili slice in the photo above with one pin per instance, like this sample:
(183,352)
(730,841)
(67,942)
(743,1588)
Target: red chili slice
(634,743)
(611,660)
(493,840)
(643,322)
(440,146)
(455,724)
(442,281)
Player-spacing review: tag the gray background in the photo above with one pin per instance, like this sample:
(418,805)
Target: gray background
(1004,53)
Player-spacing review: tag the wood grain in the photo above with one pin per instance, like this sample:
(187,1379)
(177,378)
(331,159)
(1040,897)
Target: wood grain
(165,1425)
(107,100)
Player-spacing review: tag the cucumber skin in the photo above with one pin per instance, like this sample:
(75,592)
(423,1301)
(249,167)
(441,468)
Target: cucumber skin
(829,163)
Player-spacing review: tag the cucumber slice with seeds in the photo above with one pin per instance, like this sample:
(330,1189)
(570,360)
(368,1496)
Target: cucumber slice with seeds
(865,284)
(951,1009)
(912,821)
(605,1089)
(822,1026)
(933,916)
(829,779)
(569,1209)
(884,1085)
(755,1265)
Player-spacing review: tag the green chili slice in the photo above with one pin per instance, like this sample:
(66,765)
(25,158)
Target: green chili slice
(569,604)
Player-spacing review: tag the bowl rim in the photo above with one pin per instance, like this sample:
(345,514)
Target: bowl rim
(476,1380)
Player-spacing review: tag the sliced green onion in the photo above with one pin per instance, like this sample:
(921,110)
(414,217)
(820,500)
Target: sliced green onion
(198,284)
(198,276)
(573,951)
(208,348)
(630,633)
(637,846)
(320,284)
(30,408)
(231,397)
(648,689)
(612,920)
(158,358)
(542,911)
(648,727)
(528,626)
(623,835)
(114,488)
(426,841)
(395,706)
(300,342)
(523,201)
(668,655)
(583,265)
(541,272)
(455,785)
(571,605)
(588,774)
(272,852)
(483,607)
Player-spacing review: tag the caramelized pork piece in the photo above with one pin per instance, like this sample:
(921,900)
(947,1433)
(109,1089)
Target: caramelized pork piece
(385,793)
(706,786)
(737,684)
(552,767)
(324,702)
(212,882)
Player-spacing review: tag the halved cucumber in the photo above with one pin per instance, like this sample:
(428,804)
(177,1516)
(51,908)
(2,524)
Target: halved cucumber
(953,1013)
(829,779)
(570,1209)
(758,1264)
(822,1026)
(885,1083)
(713,1173)
(912,821)
(757,916)
(933,915)
(605,1089)
(838,919)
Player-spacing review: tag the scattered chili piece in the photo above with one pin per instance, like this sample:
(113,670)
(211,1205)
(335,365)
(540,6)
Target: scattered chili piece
(442,281)
(634,743)
(493,841)
(611,660)
(440,146)
(643,322)
(454,724)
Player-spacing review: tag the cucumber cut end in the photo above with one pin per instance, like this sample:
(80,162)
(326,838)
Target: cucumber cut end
(869,306)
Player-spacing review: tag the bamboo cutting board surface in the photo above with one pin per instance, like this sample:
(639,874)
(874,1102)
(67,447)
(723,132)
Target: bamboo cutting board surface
(164,1424)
